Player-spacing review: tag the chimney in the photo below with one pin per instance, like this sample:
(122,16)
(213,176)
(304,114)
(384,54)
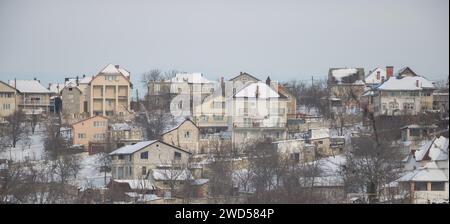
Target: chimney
(117,66)
(389,71)
(84,76)
(257,91)
(222,86)
(77,81)
(268,81)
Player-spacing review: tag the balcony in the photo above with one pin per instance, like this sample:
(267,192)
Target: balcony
(259,124)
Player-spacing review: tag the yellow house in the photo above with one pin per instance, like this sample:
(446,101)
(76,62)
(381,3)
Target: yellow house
(185,136)
(8,99)
(33,97)
(211,113)
(91,133)
(109,92)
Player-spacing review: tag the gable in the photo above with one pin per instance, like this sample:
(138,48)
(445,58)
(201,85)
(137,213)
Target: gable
(6,88)
(407,72)
(244,77)
(90,119)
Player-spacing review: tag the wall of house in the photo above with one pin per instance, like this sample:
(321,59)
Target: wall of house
(393,102)
(158,154)
(72,102)
(109,97)
(85,132)
(8,99)
(186,136)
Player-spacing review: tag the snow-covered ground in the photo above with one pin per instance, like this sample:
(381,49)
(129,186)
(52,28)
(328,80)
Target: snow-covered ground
(88,176)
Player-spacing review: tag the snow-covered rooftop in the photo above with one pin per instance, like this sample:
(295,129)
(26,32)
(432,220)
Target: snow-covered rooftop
(319,133)
(56,87)
(171,174)
(406,83)
(190,78)
(338,74)
(437,149)
(372,77)
(137,184)
(28,86)
(264,91)
(112,69)
(130,149)
(430,172)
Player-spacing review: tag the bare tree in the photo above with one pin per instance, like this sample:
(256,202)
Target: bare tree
(16,129)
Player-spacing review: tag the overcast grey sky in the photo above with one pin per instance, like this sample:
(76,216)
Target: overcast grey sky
(283,39)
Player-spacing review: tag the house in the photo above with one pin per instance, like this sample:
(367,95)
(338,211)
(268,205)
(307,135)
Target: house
(136,161)
(159,95)
(109,92)
(8,100)
(240,81)
(291,103)
(91,133)
(320,139)
(296,150)
(413,134)
(345,87)
(191,89)
(74,97)
(426,176)
(258,111)
(378,76)
(33,97)
(125,134)
(440,103)
(405,94)
(185,135)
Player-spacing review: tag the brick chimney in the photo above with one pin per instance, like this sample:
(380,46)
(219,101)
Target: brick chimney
(389,71)
(268,81)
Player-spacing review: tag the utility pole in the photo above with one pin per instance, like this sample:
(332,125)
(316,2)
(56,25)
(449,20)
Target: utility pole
(312,80)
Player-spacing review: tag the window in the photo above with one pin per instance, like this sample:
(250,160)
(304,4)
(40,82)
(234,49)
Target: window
(320,142)
(81,135)
(438,186)
(187,134)
(144,170)
(6,106)
(219,105)
(70,89)
(420,186)
(157,87)
(110,77)
(130,171)
(120,157)
(414,132)
(113,172)
(120,172)
(218,117)
(378,75)
(177,156)
(144,155)
(295,157)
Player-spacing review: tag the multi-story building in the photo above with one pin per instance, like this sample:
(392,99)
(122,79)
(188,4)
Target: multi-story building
(137,161)
(91,133)
(74,99)
(258,111)
(33,98)
(109,92)
(8,100)
(191,90)
(159,94)
(406,93)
